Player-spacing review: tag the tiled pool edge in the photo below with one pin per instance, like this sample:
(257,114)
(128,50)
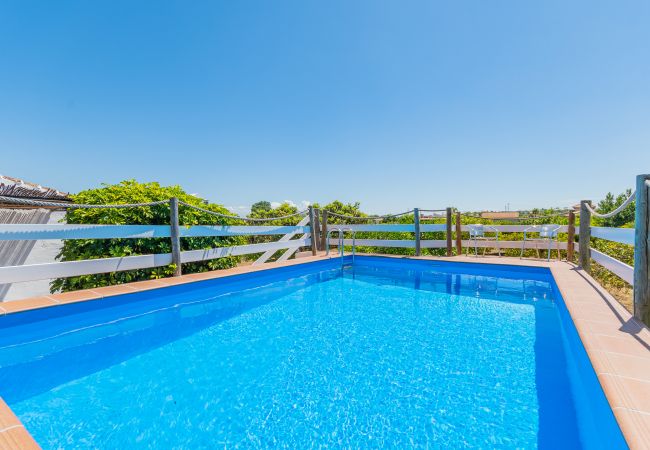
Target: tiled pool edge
(13,434)
(618,347)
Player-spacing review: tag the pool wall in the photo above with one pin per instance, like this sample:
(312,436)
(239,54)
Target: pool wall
(598,429)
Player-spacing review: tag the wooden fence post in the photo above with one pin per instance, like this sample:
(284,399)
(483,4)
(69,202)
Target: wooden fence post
(585,236)
(324,230)
(317,228)
(416,221)
(175,236)
(459,235)
(312,227)
(641,252)
(570,245)
(448,231)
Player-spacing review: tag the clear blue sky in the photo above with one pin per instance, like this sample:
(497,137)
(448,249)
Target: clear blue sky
(397,104)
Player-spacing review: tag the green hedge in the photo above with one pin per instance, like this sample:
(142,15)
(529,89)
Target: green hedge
(131,191)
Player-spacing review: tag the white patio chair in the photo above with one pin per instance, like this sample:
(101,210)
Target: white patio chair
(546,233)
(477,233)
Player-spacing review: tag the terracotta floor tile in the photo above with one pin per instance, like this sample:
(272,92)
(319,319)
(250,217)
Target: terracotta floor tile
(635,427)
(76,296)
(173,281)
(613,391)
(630,366)
(625,345)
(600,362)
(590,315)
(612,327)
(17,439)
(638,393)
(146,285)
(201,276)
(7,417)
(27,304)
(118,289)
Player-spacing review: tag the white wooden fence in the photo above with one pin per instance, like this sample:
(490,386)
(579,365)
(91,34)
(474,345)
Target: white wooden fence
(288,242)
(13,274)
(622,236)
(440,243)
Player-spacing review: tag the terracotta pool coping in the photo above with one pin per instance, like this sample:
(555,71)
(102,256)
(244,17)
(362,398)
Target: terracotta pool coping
(618,346)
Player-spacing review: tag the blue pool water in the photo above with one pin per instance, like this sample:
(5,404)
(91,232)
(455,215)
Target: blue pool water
(389,353)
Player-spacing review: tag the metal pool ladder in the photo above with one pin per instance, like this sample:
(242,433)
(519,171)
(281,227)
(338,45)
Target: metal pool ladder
(340,231)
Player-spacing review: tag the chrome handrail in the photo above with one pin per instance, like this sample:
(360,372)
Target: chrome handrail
(341,245)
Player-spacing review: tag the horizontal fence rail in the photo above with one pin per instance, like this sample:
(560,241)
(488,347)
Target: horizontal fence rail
(391,228)
(56,231)
(530,244)
(405,243)
(516,228)
(238,250)
(621,235)
(33,272)
(615,266)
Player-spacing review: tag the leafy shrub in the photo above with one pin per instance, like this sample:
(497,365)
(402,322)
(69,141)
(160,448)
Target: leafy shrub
(131,191)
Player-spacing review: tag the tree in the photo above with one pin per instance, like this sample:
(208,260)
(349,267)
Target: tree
(130,191)
(609,203)
(261,206)
(285,209)
(344,209)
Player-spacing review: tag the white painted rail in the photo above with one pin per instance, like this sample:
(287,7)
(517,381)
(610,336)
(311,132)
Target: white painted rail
(516,228)
(61,231)
(238,250)
(402,243)
(530,244)
(621,235)
(433,227)
(14,274)
(391,228)
(410,228)
(269,253)
(32,272)
(615,266)
(406,243)
(396,227)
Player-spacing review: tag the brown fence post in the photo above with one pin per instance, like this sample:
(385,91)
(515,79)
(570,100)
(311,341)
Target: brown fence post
(585,236)
(448,231)
(570,245)
(416,221)
(317,228)
(324,230)
(175,236)
(312,227)
(641,251)
(459,235)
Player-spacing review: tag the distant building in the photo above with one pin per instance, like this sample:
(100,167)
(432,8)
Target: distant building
(16,253)
(500,214)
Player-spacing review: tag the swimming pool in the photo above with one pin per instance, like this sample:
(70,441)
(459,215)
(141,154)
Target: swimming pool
(388,352)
